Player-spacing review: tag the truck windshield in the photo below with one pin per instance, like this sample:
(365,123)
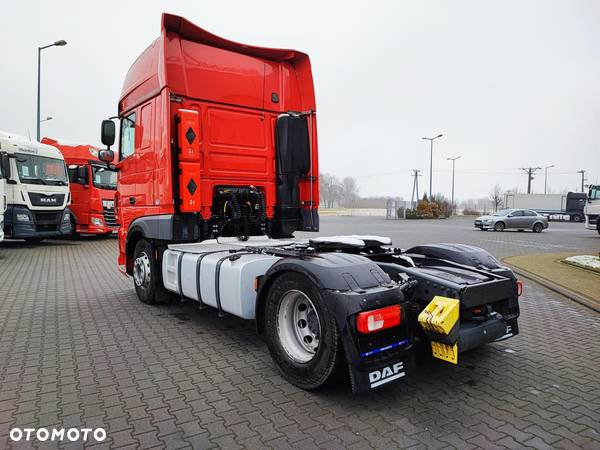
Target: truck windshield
(104,178)
(33,169)
(594,193)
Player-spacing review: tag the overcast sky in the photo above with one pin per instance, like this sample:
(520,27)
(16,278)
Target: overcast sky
(510,84)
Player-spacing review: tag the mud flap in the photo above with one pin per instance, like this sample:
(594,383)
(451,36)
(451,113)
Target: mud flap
(379,374)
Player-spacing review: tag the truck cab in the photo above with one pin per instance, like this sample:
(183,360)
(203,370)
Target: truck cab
(37,189)
(592,209)
(93,186)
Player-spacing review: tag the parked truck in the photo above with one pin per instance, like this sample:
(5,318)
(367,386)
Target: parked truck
(3,200)
(592,209)
(37,189)
(92,186)
(217,168)
(570,205)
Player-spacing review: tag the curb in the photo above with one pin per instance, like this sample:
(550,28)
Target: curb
(578,298)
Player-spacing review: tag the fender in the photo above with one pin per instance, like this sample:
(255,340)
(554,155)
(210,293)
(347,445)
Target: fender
(165,227)
(341,272)
(171,228)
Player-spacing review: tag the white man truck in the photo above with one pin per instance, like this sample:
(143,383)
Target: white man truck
(3,202)
(37,189)
(592,209)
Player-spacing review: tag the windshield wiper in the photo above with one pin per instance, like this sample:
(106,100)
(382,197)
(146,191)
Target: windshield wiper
(28,179)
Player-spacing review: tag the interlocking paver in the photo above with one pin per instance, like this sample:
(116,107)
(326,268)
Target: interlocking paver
(76,347)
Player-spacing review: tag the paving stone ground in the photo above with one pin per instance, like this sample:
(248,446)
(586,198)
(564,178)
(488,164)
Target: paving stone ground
(78,349)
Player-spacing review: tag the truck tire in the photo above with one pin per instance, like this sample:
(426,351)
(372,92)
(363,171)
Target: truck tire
(301,333)
(577,218)
(144,276)
(499,226)
(538,227)
(74,233)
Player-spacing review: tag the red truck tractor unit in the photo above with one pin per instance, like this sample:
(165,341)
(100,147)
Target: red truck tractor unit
(93,187)
(217,168)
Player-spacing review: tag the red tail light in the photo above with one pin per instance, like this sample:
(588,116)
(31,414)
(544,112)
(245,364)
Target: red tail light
(520,286)
(379,319)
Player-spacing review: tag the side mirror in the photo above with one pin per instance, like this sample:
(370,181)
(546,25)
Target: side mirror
(5,166)
(106,155)
(107,133)
(82,175)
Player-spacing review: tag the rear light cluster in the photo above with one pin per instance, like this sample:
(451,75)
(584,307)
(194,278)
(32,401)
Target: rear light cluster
(378,319)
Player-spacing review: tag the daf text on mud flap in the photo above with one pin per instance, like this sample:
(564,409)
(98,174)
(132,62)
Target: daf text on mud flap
(387,374)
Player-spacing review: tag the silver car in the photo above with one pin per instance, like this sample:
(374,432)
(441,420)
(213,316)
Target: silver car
(520,219)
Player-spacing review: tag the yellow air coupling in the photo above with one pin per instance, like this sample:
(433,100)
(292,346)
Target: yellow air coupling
(439,319)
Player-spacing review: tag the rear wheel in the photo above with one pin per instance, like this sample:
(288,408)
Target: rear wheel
(577,218)
(538,227)
(301,333)
(144,276)
(499,226)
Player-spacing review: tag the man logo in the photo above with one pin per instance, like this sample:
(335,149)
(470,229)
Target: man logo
(48,199)
(387,374)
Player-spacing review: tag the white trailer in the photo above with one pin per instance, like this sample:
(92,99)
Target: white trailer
(571,204)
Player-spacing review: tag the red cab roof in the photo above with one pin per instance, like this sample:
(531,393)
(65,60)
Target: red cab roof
(73,153)
(195,63)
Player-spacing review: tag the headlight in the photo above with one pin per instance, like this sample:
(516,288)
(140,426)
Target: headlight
(22,218)
(487,221)
(97,221)
(66,218)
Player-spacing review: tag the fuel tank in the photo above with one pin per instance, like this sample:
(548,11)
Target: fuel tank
(220,275)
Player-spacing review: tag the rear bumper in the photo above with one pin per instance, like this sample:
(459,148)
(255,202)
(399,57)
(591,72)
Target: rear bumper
(53,225)
(474,334)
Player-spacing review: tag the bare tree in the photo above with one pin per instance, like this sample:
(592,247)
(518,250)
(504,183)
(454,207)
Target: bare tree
(349,191)
(496,197)
(330,190)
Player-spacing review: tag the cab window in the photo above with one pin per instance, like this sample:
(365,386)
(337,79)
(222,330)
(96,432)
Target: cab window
(127,136)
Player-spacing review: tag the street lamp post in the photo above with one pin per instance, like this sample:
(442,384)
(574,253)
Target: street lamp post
(431,161)
(546,177)
(453,162)
(58,44)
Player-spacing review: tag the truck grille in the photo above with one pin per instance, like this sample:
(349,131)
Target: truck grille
(39,199)
(47,221)
(109,218)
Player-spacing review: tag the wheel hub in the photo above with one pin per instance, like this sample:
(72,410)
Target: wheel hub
(298,326)
(141,271)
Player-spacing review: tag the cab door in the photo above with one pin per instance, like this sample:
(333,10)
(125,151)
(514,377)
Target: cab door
(127,166)
(145,156)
